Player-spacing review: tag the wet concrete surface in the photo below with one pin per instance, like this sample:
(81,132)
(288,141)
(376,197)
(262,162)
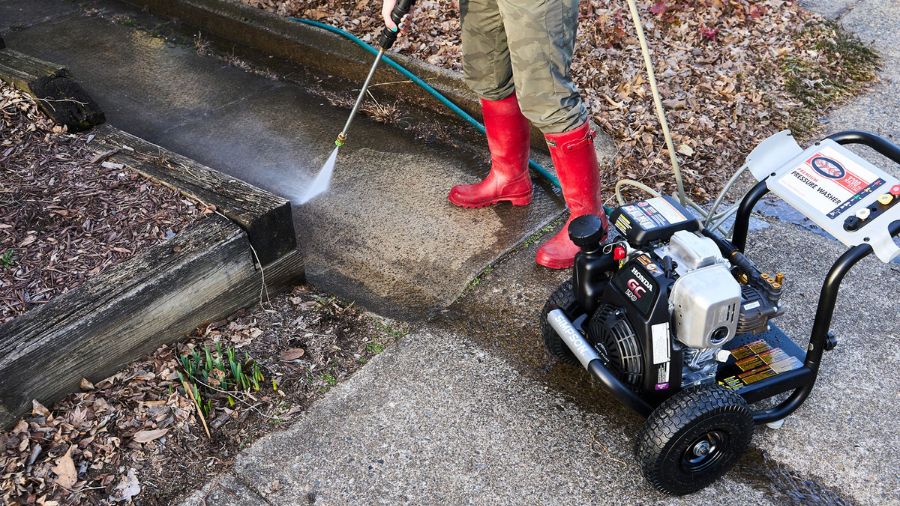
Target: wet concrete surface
(18,14)
(385,236)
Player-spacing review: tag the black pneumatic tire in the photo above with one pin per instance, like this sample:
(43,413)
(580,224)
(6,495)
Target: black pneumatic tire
(563,298)
(671,445)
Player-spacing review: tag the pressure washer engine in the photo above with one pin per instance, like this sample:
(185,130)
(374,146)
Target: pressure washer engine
(677,323)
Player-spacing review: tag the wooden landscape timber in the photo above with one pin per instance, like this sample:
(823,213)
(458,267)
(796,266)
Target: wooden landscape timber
(54,89)
(220,264)
(204,274)
(265,217)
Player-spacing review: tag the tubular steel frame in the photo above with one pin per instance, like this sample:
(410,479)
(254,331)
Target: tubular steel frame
(828,295)
(801,381)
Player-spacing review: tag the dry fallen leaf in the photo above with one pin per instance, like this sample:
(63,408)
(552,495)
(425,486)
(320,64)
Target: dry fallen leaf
(86,385)
(291,354)
(145,436)
(127,488)
(91,219)
(65,472)
(686,150)
(38,409)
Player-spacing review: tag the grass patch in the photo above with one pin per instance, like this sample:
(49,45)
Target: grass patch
(838,66)
(217,375)
(6,259)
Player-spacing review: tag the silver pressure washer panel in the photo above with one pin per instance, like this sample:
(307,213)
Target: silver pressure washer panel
(847,196)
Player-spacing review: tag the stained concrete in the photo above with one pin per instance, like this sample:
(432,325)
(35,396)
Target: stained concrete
(385,235)
(436,420)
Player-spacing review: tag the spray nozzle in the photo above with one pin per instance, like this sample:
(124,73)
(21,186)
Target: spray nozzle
(341,138)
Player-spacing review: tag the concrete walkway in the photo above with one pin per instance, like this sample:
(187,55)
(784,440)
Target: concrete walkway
(877,23)
(372,238)
(469,410)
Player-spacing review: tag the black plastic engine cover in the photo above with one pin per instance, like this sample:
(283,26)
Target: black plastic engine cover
(642,288)
(652,220)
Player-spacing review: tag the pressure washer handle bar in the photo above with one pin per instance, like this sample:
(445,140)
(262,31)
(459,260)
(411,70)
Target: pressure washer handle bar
(387,37)
(879,144)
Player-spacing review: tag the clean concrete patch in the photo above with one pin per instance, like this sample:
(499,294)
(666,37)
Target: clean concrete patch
(307,46)
(144,85)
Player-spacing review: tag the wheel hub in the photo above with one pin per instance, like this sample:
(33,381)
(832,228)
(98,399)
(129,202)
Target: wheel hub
(702,448)
(704,451)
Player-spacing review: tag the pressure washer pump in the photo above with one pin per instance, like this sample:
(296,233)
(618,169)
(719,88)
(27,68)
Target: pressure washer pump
(677,322)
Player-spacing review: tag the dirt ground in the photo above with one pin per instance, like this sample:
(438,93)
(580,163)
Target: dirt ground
(136,436)
(66,215)
(731,73)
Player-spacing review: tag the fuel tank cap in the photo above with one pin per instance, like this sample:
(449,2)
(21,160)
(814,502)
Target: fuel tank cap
(587,231)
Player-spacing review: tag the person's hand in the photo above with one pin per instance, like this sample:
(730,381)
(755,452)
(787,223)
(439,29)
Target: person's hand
(386,9)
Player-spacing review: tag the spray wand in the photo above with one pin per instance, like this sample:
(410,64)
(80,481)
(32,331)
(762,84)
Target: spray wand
(385,40)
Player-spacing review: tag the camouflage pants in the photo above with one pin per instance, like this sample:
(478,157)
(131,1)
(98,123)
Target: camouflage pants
(524,46)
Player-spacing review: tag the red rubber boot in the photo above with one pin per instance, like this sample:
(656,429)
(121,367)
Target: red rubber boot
(579,175)
(509,140)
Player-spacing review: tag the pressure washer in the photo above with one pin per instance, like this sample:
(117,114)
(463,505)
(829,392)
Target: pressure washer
(676,321)
(670,315)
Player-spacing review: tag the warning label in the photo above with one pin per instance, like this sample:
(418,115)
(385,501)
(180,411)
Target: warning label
(758,361)
(654,213)
(830,182)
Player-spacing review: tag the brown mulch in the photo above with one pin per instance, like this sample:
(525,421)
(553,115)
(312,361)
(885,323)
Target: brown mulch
(136,436)
(65,218)
(731,72)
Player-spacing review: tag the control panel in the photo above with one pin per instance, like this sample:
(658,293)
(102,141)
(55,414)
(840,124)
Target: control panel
(850,198)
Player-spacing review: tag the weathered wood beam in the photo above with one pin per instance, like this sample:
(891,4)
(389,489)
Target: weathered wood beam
(54,89)
(267,218)
(203,274)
